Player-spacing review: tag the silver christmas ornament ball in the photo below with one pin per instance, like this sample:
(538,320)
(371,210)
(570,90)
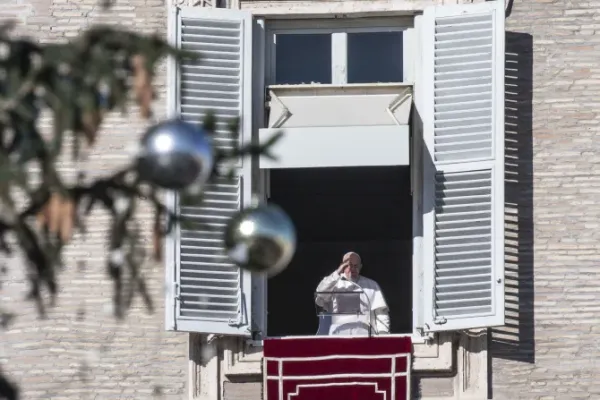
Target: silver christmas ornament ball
(175,155)
(261,239)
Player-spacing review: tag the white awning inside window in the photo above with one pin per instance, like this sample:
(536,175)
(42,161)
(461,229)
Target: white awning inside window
(338,125)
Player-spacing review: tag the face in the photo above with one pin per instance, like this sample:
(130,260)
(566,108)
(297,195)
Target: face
(354,266)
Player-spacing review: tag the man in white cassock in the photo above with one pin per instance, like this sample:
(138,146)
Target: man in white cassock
(354,303)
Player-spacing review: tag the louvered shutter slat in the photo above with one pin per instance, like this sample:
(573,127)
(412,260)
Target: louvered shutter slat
(464,191)
(463,69)
(463,98)
(211,289)
(214,82)
(198,259)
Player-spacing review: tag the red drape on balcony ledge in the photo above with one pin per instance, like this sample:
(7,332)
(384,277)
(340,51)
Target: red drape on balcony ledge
(331,368)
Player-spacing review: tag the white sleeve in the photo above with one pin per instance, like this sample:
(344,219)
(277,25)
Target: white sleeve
(381,312)
(378,299)
(326,285)
(382,322)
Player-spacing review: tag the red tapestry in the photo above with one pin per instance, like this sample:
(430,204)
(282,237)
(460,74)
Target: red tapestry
(331,368)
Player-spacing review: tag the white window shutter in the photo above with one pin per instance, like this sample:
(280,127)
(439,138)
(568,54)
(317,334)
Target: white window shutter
(205,292)
(463,132)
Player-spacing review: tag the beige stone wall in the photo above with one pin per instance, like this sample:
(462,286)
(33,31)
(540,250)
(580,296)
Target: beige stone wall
(551,348)
(80,351)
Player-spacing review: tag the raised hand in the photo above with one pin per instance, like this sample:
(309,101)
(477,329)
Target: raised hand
(342,268)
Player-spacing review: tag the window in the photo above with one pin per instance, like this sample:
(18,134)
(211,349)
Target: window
(339,52)
(336,51)
(364,209)
(375,57)
(303,58)
(456,165)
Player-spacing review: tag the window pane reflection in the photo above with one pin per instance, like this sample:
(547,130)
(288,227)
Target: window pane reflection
(303,58)
(375,57)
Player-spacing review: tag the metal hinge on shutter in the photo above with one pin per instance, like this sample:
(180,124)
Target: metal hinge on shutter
(237,322)
(425,332)
(177,298)
(177,291)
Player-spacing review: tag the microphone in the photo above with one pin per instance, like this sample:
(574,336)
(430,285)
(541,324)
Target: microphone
(371,312)
(343,278)
(362,291)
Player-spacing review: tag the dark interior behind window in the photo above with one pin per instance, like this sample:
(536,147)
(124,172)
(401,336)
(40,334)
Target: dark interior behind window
(335,210)
(302,58)
(375,57)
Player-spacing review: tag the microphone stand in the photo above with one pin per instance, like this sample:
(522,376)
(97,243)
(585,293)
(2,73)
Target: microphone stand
(343,278)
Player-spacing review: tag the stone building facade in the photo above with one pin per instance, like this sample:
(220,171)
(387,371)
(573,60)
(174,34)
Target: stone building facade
(549,345)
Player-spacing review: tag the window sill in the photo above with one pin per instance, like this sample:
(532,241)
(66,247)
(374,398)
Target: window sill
(416,338)
(245,369)
(348,87)
(432,356)
(246,361)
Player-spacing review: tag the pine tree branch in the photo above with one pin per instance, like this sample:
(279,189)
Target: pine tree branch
(12,105)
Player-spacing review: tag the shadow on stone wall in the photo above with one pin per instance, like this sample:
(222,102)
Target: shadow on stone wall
(516,340)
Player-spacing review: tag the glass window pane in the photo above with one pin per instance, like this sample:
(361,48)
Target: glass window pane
(303,58)
(375,57)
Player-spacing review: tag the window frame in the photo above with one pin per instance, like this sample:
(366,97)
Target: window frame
(415,335)
(411,60)
(339,28)
(439,349)
(414,57)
